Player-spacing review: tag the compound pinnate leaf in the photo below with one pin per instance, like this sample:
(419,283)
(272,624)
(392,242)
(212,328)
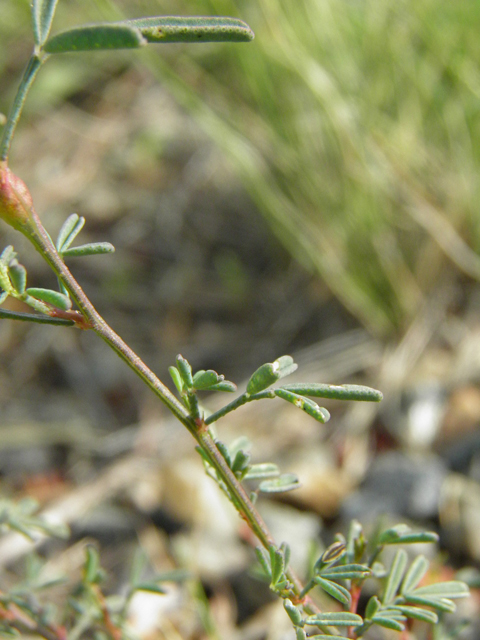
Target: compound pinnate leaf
(286,482)
(96,37)
(305,404)
(91,249)
(54,298)
(165,29)
(42,16)
(417,570)
(336,619)
(336,392)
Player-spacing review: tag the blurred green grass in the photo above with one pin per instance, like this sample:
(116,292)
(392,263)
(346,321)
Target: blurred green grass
(354,125)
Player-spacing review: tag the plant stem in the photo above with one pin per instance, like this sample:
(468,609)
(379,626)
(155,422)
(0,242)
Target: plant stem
(198,428)
(31,71)
(238,402)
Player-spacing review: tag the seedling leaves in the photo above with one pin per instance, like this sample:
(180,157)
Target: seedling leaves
(96,37)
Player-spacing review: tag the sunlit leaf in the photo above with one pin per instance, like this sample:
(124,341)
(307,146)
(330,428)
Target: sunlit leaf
(95,37)
(336,392)
(305,404)
(346,572)
(91,249)
(176,377)
(54,298)
(165,29)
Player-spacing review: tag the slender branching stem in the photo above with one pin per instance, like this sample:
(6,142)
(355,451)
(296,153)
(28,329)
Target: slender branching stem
(29,75)
(238,402)
(197,427)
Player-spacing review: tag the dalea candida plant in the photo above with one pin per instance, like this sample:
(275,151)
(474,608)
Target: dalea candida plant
(342,570)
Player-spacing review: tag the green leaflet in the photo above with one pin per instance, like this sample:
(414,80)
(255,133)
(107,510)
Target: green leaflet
(286,482)
(336,392)
(42,17)
(395,576)
(305,404)
(417,570)
(91,249)
(96,37)
(334,590)
(55,298)
(69,231)
(338,619)
(269,373)
(164,29)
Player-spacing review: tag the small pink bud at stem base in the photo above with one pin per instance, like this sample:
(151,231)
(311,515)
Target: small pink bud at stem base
(16,205)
